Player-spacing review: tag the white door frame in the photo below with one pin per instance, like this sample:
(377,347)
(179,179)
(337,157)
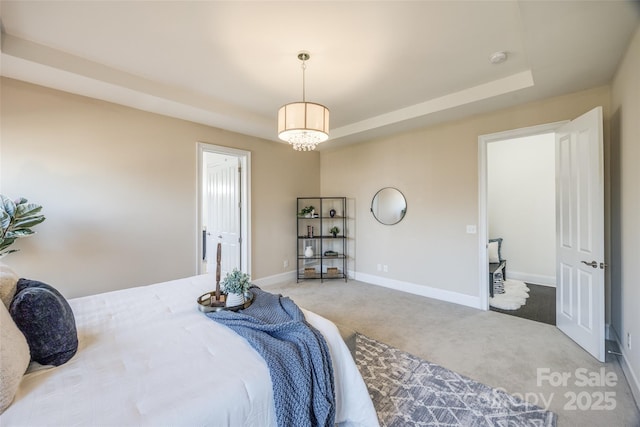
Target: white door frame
(245,211)
(483,224)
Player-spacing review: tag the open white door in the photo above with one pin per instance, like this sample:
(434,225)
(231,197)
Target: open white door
(222,203)
(580,232)
(224,208)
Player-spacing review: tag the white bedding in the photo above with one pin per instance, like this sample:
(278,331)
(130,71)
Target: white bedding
(148,356)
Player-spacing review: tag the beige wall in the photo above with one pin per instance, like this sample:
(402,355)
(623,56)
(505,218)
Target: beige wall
(118,187)
(625,210)
(437,170)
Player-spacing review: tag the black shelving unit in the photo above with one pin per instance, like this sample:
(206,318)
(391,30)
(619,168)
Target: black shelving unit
(329,258)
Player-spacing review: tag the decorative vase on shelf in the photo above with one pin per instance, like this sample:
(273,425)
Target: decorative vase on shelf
(234,300)
(332,213)
(308,252)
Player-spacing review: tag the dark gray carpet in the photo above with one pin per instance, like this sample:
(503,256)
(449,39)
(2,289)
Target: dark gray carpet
(540,306)
(408,391)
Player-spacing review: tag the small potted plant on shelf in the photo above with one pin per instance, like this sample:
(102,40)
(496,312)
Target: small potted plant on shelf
(235,285)
(307,211)
(334,230)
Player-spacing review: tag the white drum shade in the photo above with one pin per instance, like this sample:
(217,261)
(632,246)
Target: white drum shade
(303,124)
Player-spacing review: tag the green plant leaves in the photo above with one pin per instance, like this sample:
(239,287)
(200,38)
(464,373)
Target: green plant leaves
(28,221)
(16,220)
(14,234)
(306,210)
(236,282)
(5,243)
(27,209)
(8,205)
(5,219)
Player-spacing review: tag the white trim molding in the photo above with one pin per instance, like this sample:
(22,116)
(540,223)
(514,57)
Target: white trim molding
(631,376)
(245,161)
(422,290)
(483,218)
(536,279)
(280,278)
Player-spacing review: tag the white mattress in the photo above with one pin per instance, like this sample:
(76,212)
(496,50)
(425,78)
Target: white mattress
(148,356)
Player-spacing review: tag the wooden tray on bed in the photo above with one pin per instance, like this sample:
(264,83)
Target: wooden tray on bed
(204,302)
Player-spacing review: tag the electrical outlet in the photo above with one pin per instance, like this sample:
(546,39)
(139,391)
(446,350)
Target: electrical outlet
(285,263)
(629,340)
(385,268)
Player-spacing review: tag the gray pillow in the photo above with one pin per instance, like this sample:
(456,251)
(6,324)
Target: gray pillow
(47,322)
(499,240)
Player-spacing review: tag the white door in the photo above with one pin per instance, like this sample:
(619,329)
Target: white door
(580,232)
(222,212)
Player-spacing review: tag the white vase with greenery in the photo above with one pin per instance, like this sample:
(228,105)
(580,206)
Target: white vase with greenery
(307,212)
(235,285)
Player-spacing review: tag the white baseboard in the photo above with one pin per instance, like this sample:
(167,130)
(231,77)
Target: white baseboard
(536,279)
(276,278)
(422,290)
(632,377)
(412,288)
(287,276)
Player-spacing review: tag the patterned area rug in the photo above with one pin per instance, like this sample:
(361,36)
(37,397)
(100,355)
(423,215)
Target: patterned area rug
(409,391)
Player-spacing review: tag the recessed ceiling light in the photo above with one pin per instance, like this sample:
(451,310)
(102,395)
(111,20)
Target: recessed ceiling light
(498,57)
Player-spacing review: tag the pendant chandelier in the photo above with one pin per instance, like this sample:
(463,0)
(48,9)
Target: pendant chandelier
(304,125)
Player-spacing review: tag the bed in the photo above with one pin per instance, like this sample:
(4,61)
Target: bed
(148,356)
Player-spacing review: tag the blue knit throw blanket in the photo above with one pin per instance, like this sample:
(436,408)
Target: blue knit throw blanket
(297,356)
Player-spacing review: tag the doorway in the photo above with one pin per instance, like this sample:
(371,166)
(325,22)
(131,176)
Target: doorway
(522,215)
(579,220)
(483,224)
(223,209)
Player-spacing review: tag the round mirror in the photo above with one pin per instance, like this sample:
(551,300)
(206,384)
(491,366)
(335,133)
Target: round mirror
(389,206)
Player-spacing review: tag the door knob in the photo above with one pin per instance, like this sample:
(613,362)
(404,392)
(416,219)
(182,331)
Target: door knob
(592,264)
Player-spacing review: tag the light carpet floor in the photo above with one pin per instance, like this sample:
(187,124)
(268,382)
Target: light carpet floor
(498,350)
